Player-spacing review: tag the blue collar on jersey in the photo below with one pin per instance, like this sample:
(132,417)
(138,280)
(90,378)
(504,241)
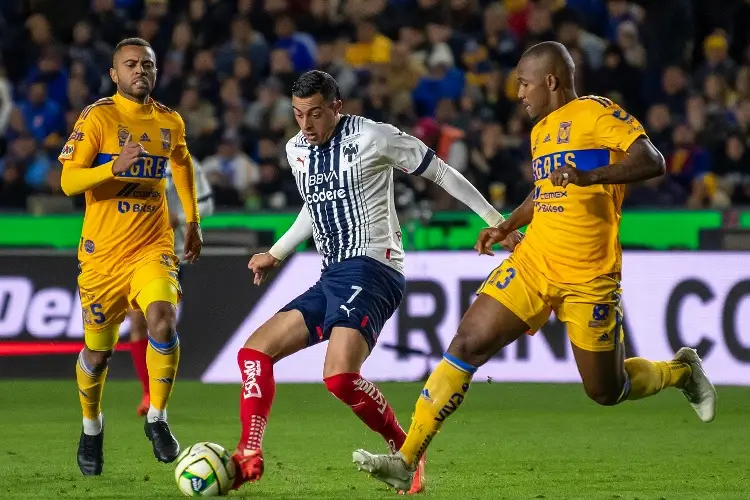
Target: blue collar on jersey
(336,133)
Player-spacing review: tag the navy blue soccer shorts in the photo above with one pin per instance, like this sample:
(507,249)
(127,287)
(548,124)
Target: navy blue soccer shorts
(358,293)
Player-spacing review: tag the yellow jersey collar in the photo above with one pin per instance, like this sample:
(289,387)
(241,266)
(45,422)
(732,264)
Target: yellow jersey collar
(142,111)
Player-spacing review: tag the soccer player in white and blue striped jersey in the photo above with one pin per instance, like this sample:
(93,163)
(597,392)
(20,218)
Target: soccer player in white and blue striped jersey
(343,166)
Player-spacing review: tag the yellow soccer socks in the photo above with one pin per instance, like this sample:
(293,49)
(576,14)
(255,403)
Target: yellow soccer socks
(90,388)
(649,377)
(162,359)
(443,393)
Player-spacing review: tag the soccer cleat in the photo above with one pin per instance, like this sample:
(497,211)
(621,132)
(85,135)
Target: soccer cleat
(418,483)
(91,453)
(142,409)
(166,447)
(390,469)
(698,390)
(250,466)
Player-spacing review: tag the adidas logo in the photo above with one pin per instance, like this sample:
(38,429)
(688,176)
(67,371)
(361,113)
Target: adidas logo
(426,395)
(604,337)
(546,139)
(145,138)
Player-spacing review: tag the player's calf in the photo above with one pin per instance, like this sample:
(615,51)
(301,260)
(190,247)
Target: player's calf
(369,404)
(161,319)
(162,360)
(606,395)
(91,372)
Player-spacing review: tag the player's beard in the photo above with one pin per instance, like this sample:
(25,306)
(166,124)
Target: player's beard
(139,91)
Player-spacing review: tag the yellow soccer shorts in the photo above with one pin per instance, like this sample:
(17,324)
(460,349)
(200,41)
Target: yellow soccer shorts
(591,311)
(105,299)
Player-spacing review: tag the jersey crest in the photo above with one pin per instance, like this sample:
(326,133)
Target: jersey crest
(350,151)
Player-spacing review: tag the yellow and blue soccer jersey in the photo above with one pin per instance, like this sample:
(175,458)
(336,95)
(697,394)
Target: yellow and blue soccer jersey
(126,215)
(574,235)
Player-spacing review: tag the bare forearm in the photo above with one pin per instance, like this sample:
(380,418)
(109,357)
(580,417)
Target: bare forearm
(522,215)
(624,173)
(643,162)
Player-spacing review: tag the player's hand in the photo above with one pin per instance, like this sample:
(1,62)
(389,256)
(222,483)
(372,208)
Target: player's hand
(512,240)
(489,236)
(569,175)
(131,152)
(261,264)
(193,242)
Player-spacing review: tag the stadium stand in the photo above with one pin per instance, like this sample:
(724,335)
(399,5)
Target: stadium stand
(441,69)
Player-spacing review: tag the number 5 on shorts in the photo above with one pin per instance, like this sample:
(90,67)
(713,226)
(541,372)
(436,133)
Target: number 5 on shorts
(96,312)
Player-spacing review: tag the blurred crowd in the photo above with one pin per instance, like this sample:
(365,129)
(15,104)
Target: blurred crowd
(442,70)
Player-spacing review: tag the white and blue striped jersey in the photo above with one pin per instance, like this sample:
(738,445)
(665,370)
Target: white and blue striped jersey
(347,187)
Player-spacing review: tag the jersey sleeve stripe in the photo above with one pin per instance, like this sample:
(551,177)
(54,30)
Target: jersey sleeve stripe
(103,158)
(600,100)
(107,101)
(428,156)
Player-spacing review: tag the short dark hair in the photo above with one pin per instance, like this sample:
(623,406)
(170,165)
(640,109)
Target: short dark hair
(316,82)
(129,42)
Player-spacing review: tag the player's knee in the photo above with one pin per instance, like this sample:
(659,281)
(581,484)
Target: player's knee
(604,396)
(467,346)
(138,326)
(97,360)
(162,323)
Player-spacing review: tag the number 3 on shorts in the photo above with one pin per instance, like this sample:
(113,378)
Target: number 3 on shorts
(510,274)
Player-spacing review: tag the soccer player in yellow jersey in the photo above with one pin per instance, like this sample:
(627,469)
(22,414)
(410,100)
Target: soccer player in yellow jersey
(584,150)
(117,155)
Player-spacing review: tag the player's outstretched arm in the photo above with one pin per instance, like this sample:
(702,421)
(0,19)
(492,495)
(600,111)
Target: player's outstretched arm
(464,191)
(412,156)
(520,217)
(458,186)
(300,231)
(262,263)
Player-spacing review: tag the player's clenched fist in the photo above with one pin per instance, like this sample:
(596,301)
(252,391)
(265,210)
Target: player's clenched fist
(492,235)
(569,175)
(261,264)
(131,152)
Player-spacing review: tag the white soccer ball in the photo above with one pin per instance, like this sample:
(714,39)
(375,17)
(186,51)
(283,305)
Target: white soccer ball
(204,470)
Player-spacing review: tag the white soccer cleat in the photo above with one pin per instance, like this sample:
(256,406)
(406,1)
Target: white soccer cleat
(698,390)
(390,469)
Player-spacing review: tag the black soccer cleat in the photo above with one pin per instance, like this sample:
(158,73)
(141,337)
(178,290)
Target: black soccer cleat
(166,447)
(91,454)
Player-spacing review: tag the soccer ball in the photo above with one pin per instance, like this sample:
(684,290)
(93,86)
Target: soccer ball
(204,470)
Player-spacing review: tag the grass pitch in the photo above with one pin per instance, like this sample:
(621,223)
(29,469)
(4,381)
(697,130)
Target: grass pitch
(508,441)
